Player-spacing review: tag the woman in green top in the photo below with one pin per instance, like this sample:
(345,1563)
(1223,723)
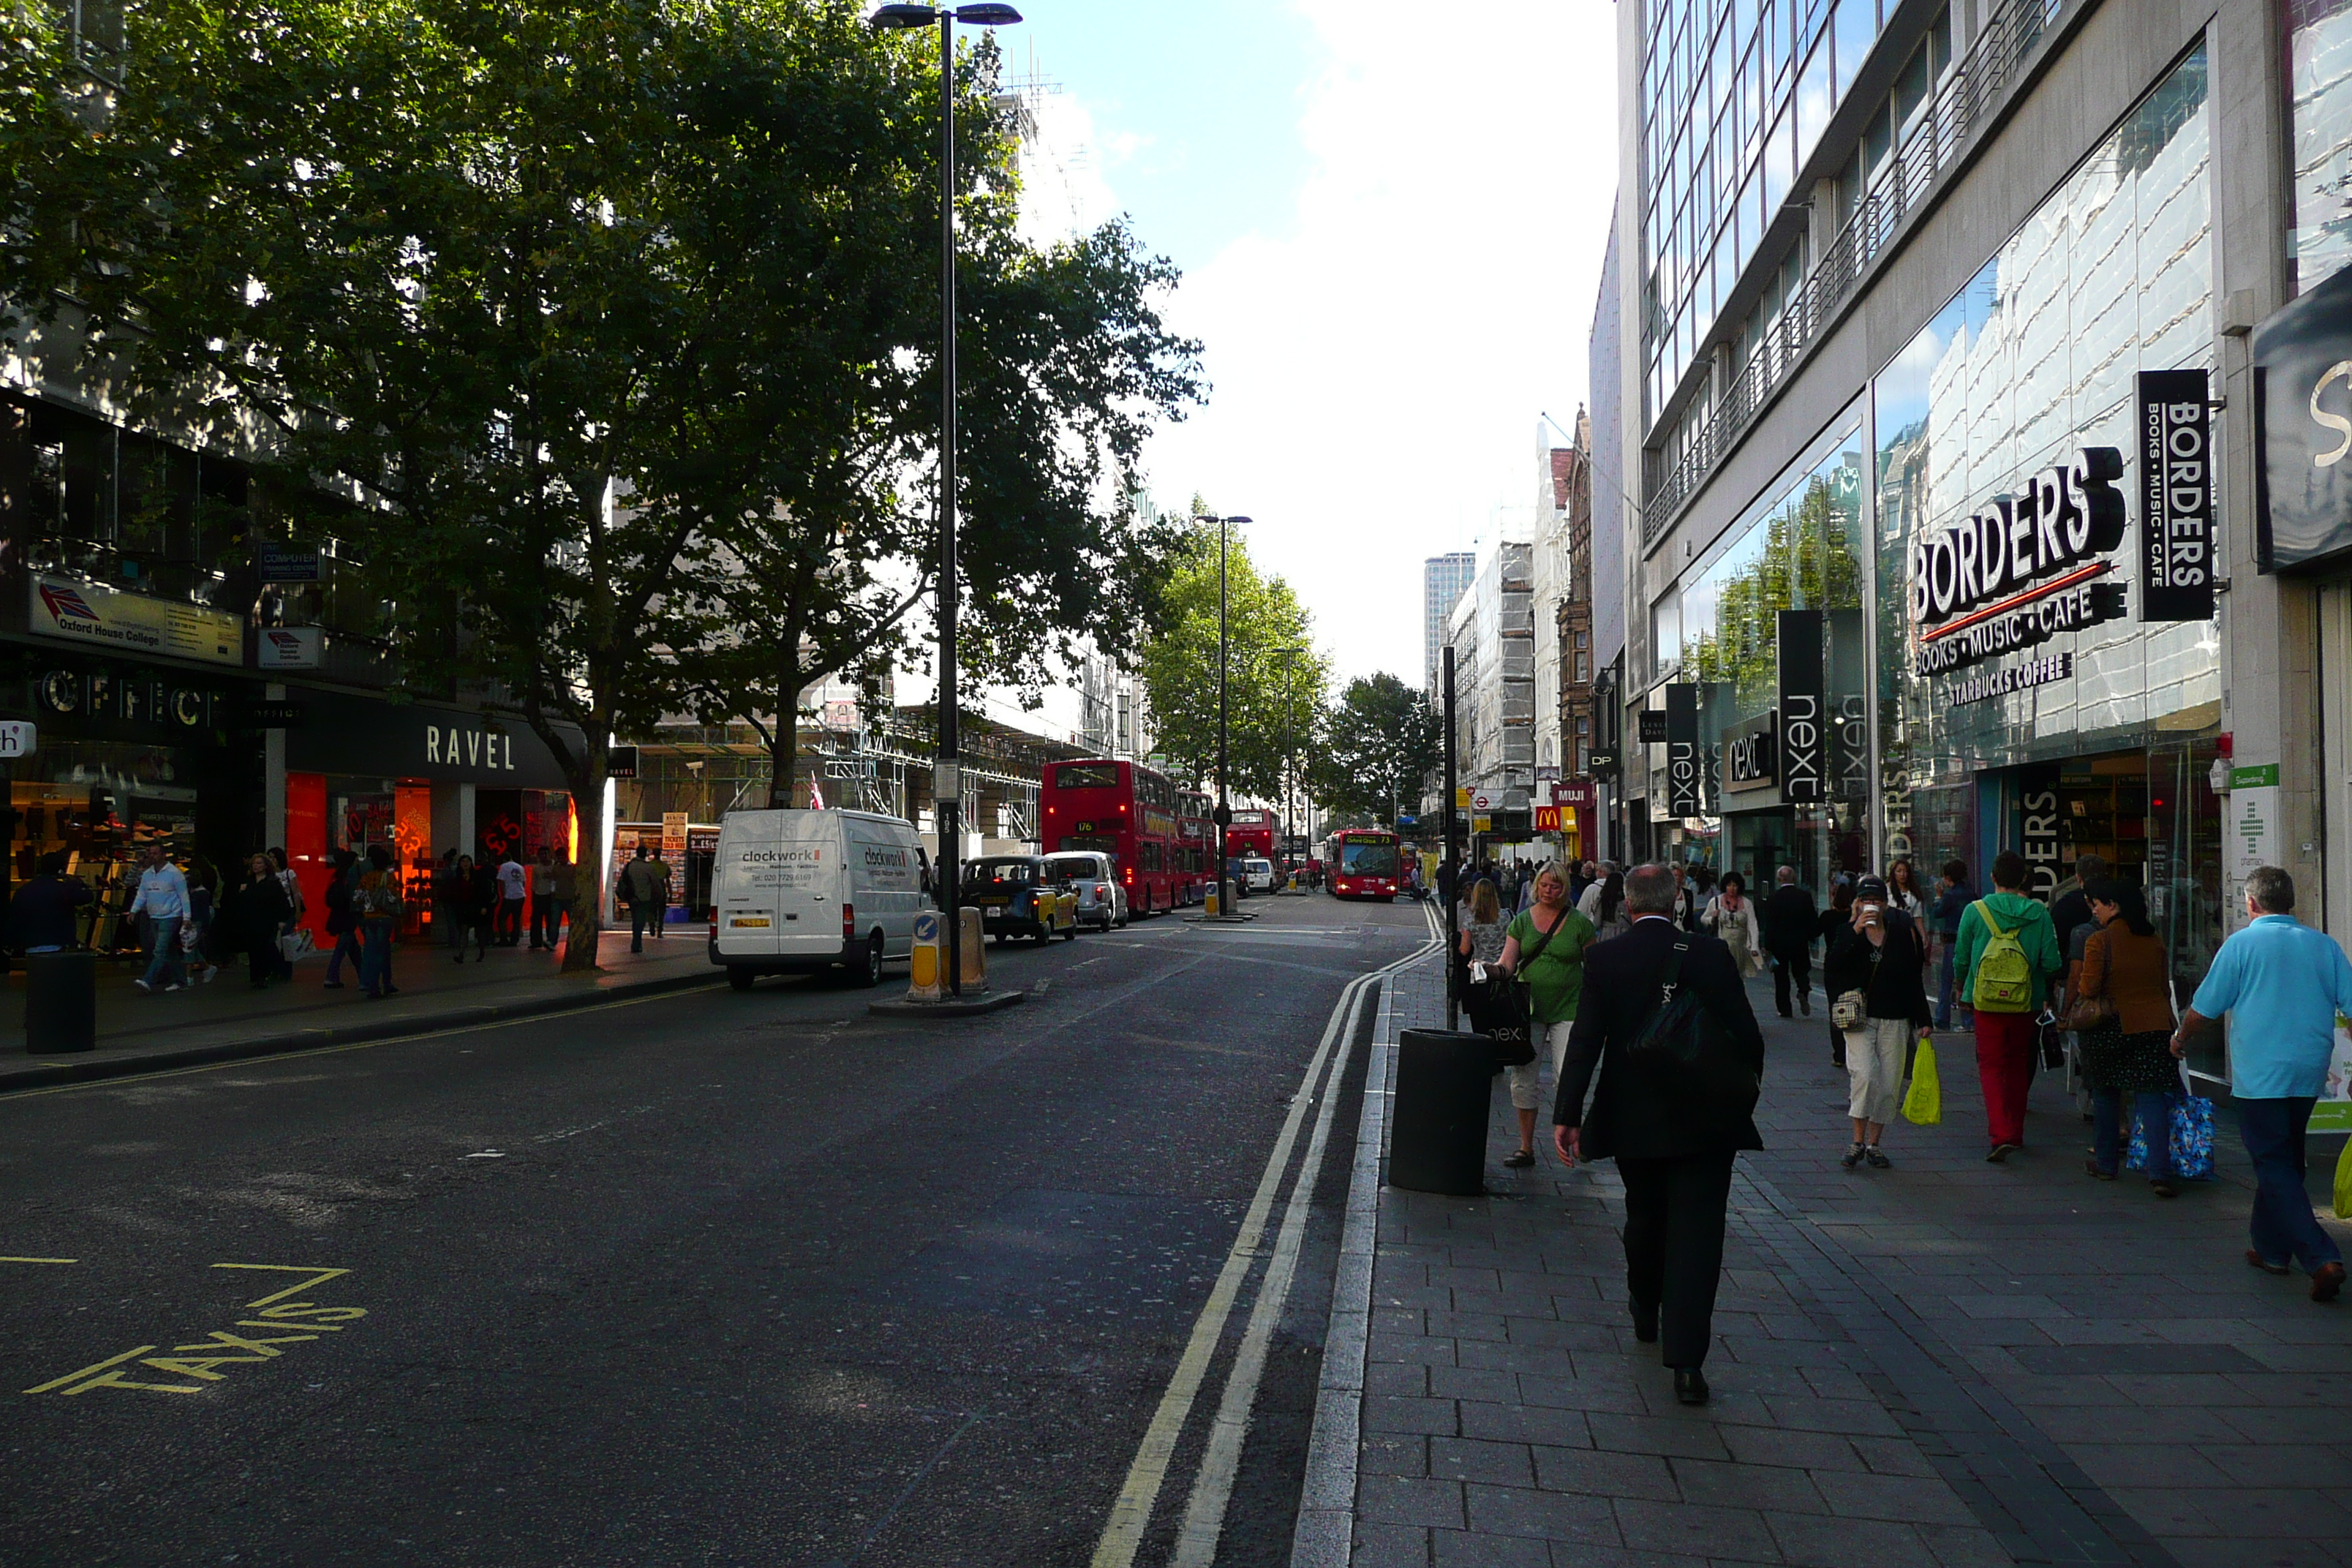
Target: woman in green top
(1548,941)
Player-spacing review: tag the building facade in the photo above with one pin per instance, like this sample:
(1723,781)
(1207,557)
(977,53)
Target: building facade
(1936,345)
(1443,580)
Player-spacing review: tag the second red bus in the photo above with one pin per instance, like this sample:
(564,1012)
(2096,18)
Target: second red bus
(1362,863)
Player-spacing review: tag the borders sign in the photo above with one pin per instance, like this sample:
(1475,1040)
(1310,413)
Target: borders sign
(2176,495)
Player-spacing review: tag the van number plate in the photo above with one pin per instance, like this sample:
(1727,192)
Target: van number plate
(739,923)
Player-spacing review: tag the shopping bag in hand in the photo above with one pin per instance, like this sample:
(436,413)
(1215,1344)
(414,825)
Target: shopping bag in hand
(2344,1182)
(2191,1119)
(1924,1105)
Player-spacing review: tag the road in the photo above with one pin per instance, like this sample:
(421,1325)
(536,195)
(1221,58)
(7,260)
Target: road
(704,1278)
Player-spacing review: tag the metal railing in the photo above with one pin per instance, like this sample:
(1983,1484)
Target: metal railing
(1967,93)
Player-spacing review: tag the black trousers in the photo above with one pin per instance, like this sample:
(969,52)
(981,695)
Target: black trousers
(1795,968)
(1673,1246)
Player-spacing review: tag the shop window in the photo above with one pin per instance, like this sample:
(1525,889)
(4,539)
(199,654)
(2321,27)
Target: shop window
(2319,66)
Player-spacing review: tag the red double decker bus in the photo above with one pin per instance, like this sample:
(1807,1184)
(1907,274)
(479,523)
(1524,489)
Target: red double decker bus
(1362,863)
(1251,832)
(1196,846)
(1126,811)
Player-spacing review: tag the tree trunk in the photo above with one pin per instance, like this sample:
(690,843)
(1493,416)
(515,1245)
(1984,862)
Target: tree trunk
(784,741)
(587,782)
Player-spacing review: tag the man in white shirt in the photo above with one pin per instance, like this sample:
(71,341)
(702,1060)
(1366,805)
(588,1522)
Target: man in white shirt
(163,898)
(511,881)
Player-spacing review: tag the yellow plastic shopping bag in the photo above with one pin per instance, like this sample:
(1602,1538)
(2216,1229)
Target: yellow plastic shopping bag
(2344,1182)
(1924,1105)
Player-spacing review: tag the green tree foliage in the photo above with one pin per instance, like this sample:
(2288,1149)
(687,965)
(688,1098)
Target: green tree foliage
(1274,682)
(1374,748)
(568,304)
(819,554)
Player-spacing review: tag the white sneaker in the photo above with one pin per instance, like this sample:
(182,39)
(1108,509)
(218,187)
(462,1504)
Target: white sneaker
(144,986)
(177,986)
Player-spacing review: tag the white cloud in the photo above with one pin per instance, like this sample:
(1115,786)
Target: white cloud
(1380,366)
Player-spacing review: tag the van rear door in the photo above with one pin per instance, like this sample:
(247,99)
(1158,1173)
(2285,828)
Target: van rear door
(780,886)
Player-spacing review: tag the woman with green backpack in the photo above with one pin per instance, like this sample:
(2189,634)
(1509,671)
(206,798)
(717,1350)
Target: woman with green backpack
(2005,956)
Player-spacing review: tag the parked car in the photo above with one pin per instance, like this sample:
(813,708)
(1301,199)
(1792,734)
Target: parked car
(1102,902)
(794,891)
(1258,874)
(1017,895)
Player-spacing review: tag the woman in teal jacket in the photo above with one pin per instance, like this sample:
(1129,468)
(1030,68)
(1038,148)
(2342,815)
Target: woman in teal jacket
(2005,1039)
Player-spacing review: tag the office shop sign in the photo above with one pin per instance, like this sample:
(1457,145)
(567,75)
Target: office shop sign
(2023,570)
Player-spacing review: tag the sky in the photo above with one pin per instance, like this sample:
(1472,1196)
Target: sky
(1390,220)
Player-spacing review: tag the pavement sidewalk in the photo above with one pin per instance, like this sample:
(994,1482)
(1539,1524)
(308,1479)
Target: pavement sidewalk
(224,1020)
(1948,1362)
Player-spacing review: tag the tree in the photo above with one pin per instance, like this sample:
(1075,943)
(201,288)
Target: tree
(819,552)
(1274,680)
(1375,747)
(517,289)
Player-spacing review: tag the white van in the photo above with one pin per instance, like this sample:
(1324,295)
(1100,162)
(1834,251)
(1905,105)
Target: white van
(796,891)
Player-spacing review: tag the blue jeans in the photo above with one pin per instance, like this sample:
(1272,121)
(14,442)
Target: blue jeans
(375,956)
(2282,1224)
(1944,997)
(164,937)
(346,942)
(2155,1118)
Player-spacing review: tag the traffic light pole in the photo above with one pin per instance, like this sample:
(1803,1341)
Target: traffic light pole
(1454,878)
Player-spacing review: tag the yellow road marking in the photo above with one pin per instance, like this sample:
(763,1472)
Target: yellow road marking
(353,1045)
(318,1277)
(94,1366)
(39,1260)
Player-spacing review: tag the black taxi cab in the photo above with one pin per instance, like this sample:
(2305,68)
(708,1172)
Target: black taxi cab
(1018,895)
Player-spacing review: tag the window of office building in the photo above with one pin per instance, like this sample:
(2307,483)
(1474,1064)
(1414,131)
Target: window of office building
(2319,66)
(1734,98)
(2098,738)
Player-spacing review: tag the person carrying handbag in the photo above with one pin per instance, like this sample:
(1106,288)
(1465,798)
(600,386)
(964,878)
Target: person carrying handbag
(2122,1012)
(1731,915)
(1876,973)
(1544,949)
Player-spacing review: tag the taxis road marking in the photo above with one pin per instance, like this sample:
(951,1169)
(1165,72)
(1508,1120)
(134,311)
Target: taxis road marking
(288,1322)
(357,1045)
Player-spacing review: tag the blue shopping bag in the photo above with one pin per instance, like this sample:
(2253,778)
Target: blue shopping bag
(2192,1116)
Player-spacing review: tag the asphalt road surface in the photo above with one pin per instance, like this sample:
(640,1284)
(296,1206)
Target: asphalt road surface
(704,1279)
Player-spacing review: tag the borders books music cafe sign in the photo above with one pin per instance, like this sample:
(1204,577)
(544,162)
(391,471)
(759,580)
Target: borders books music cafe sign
(2029,566)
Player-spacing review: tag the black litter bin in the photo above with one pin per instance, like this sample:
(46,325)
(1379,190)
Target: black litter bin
(1444,1086)
(61,1001)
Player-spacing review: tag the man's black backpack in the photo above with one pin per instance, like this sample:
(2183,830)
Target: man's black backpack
(1686,1057)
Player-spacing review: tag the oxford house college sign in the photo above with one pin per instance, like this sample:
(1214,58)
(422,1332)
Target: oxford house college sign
(2024,569)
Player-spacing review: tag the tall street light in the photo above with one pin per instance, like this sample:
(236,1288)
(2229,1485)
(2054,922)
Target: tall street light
(1224,815)
(946,776)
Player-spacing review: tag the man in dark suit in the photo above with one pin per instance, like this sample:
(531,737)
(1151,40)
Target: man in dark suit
(1672,1148)
(1790,921)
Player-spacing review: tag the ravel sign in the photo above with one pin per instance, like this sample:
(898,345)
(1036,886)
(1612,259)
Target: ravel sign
(2175,495)
(2024,569)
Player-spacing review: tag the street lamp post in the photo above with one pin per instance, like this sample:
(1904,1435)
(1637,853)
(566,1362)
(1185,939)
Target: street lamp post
(1225,814)
(947,774)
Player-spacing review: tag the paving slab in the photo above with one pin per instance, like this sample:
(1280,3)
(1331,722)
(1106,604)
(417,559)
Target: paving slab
(1948,1362)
